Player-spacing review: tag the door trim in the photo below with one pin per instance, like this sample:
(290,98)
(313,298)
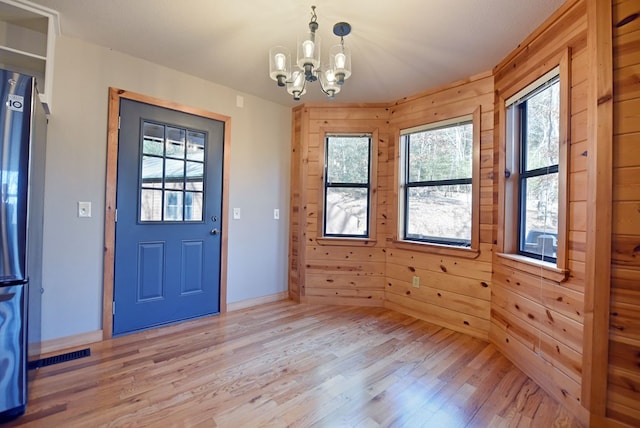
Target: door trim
(115,95)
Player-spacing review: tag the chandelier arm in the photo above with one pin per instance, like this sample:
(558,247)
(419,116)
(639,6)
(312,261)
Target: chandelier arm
(322,88)
(304,85)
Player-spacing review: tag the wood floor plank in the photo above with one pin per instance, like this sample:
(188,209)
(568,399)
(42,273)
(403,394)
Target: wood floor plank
(292,365)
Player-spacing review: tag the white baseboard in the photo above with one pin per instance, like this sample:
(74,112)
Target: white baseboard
(74,341)
(243,304)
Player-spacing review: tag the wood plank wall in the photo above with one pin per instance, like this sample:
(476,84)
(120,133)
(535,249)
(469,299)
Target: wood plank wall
(296,220)
(623,398)
(535,321)
(455,286)
(454,290)
(339,272)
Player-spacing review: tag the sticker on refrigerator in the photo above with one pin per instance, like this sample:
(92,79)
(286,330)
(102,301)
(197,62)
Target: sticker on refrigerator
(15,103)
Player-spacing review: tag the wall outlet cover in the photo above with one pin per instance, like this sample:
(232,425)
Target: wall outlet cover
(416,282)
(84,209)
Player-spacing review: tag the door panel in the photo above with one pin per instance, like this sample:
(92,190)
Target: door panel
(169,198)
(150,275)
(192,267)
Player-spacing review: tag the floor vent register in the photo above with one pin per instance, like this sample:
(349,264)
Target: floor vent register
(43,362)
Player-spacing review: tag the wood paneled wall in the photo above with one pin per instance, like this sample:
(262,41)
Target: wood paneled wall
(623,398)
(455,285)
(537,320)
(296,219)
(337,271)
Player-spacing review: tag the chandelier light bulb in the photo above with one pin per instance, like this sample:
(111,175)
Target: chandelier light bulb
(329,82)
(281,61)
(307,48)
(279,64)
(341,60)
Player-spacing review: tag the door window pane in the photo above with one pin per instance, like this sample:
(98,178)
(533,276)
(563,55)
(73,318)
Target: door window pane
(153,139)
(152,171)
(192,206)
(151,205)
(175,142)
(174,175)
(195,184)
(195,170)
(171,174)
(195,145)
(172,206)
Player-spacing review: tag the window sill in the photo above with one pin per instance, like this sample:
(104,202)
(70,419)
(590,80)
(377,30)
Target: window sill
(440,249)
(347,242)
(536,267)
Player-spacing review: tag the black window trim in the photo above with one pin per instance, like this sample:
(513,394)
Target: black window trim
(328,185)
(184,180)
(521,107)
(464,243)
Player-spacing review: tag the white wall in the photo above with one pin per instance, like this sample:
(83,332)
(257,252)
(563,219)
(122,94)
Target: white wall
(76,165)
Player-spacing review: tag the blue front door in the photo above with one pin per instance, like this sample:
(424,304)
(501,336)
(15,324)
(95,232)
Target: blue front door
(169,198)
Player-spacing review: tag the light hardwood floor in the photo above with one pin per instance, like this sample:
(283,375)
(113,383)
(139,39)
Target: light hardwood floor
(284,364)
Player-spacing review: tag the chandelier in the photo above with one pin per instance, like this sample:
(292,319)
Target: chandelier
(308,67)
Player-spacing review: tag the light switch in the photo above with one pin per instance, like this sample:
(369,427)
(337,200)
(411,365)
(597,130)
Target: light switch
(236,213)
(84,209)
(276,214)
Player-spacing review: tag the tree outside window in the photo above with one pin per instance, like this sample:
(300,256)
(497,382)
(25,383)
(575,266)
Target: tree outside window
(438,194)
(347,185)
(538,116)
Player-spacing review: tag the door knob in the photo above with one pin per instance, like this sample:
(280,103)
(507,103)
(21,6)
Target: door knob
(214,231)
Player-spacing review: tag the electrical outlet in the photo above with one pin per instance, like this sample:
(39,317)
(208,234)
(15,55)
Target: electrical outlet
(416,282)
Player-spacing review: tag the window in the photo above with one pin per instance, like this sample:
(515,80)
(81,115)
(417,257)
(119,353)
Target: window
(172,174)
(533,135)
(347,186)
(437,173)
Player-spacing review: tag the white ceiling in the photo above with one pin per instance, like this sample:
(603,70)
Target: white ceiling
(399,48)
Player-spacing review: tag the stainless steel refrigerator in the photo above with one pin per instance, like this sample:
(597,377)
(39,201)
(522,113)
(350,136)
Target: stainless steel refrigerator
(22,146)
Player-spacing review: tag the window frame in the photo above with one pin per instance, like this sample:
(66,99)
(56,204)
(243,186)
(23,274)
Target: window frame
(165,190)
(440,246)
(405,142)
(508,241)
(520,138)
(336,239)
